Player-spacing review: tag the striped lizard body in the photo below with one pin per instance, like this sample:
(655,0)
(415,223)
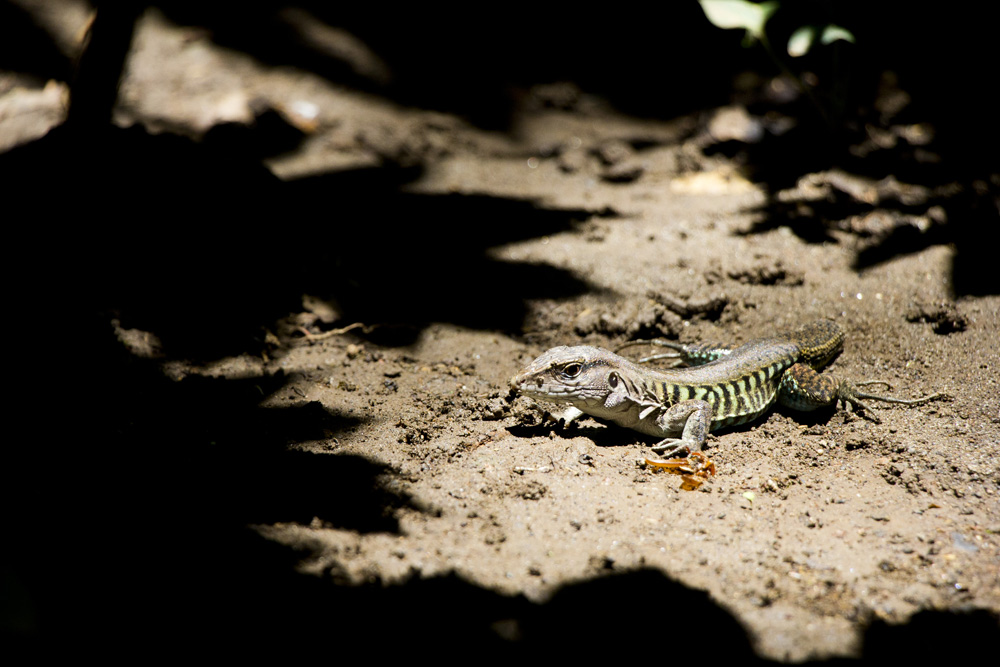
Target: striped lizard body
(723,387)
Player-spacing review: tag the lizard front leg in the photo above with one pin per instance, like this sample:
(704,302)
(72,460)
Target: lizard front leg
(692,419)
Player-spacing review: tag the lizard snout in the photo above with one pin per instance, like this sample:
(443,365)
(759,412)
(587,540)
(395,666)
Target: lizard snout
(519,381)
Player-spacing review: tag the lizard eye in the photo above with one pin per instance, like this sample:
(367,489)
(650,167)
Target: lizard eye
(613,380)
(571,370)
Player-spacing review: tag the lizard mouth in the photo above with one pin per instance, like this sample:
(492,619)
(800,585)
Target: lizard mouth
(542,392)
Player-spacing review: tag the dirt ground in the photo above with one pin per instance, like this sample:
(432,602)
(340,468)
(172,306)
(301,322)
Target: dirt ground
(354,468)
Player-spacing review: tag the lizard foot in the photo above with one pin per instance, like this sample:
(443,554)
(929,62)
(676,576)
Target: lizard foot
(849,393)
(673,447)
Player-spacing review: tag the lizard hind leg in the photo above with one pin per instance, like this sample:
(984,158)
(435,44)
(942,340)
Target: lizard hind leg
(682,355)
(802,388)
(676,357)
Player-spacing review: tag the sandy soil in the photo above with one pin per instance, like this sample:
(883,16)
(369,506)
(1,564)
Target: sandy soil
(351,466)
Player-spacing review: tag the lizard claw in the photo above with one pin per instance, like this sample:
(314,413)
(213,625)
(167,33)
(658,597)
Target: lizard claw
(672,447)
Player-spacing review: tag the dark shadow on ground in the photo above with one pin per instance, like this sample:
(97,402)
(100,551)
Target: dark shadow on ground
(916,641)
(417,258)
(26,48)
(960,208)
(212,262)
(474,67)
(130,495)
(249,602)
(637,69)
(892,109)
(260,607)
(601,435)
(478,67)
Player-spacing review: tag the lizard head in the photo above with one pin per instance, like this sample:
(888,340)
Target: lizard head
(575,375)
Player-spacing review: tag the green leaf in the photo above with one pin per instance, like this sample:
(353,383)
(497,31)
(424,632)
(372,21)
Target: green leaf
(832,33)
(750,16)
(801,41)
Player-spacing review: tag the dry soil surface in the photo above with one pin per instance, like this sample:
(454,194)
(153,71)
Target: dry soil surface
(402,471)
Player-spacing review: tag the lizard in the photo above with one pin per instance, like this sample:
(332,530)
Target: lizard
(722,387)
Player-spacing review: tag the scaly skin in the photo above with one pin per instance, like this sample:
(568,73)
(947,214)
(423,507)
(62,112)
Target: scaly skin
(723,387)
